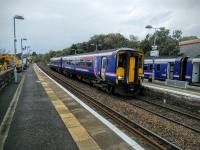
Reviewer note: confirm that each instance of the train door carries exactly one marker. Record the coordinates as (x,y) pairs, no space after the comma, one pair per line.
(170,70)
(61,64)
(103,68)
(131,76)
(183,68)
(121,66)
(196,72)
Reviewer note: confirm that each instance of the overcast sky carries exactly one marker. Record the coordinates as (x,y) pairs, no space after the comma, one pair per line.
(56,24)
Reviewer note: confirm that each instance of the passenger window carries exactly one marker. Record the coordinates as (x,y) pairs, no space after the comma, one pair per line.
(73,62)
(104,63)
(89,64)
(158,67)
(77,62)
(82,64)
(151,67)
(108,62)
(145,67)
(171,67)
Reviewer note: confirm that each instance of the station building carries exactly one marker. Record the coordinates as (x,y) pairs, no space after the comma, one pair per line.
(190,48)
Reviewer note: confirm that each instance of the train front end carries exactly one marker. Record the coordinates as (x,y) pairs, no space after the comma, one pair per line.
(129,71)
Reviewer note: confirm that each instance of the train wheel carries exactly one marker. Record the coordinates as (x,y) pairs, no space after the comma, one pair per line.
(109,89)
(79,77)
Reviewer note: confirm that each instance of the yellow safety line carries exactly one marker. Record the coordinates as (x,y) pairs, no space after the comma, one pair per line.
(78,132)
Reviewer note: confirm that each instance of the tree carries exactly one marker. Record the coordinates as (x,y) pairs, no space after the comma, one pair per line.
(104,42)
(133,37)
(167,44)
(34,54)
(112,40)
(145,44)
(177,34)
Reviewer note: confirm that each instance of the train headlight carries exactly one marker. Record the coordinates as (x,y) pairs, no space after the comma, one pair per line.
(120,78)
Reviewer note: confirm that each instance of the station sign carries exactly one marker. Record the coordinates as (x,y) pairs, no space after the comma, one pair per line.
(154,47)
(154,53)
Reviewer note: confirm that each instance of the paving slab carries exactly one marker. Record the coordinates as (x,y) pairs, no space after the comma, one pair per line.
(36,124)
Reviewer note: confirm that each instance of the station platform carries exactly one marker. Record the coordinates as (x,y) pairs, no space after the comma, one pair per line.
(44,115)
(190,93)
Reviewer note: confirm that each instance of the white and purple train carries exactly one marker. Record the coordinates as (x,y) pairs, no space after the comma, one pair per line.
(181,68)
(119,70)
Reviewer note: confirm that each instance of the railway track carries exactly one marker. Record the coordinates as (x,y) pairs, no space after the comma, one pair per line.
(172,109)
(131,126)
(165,116)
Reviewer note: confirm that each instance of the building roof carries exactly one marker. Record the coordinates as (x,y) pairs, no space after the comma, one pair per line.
(188,42)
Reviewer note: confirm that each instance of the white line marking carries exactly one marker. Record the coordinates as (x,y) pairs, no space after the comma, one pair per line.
(174,91)
(176,76)
(148,73)
(120,133)
(5,125)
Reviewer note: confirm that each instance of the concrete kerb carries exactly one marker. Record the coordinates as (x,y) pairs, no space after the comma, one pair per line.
(5,125)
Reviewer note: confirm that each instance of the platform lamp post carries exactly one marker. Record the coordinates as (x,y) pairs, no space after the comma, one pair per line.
(22,49)
(74,51)
(15,47)
(154,47)
(27,53)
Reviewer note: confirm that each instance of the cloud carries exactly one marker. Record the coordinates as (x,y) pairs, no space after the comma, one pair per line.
(56,24)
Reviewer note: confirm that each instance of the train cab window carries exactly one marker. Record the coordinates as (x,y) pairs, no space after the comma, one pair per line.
(158,67)
(122,61)
(151,66)
(140,62)
(145,67)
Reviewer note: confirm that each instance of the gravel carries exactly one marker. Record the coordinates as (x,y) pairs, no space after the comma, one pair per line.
(177,134)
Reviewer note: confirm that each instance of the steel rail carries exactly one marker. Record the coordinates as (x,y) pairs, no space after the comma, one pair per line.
(162,116)
(172,109)
(128,124)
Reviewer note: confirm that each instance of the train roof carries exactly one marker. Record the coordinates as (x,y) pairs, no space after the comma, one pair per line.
(98,53)
(101,53)
(160,57)
(159,60)
(55,58)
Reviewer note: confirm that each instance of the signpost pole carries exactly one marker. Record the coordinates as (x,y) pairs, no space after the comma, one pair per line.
(154,53)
